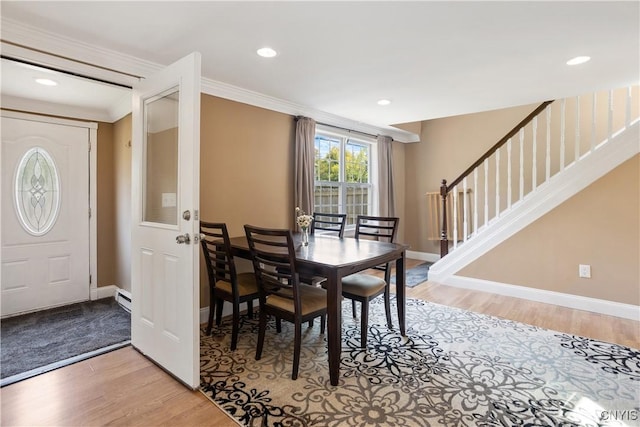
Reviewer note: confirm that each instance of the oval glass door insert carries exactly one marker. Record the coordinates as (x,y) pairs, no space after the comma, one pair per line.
(37,191)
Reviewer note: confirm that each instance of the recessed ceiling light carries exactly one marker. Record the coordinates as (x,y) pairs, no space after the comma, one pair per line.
(47,82)
(384,102)
(578,60)
(266,52)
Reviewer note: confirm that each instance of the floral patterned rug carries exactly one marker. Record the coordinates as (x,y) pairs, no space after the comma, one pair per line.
(454,368)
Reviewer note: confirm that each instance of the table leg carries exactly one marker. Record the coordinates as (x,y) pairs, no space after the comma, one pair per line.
(334,325)
(400,292)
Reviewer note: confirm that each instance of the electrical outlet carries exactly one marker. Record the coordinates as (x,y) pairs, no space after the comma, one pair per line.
(584,271)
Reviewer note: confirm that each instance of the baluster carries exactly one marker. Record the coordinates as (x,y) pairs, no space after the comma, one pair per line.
(610,124)
(562,131)
(534,165)
(497,182)
(444,241)
(509,173)
(577,147)
(594,114)
(521,164)
(548,155)
(465,227)
(486,191)
(475,200)
(455,217)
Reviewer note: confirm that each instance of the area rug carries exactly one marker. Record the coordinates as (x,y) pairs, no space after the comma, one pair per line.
(415,275)
(37,342)
(454,368)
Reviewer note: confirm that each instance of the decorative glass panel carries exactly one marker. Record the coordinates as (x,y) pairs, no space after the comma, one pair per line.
(37,191)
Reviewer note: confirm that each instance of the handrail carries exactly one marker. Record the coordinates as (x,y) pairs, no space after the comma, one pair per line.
(564,131)
(498,144)
(446,189)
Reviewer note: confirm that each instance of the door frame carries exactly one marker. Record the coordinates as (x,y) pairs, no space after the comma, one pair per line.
(92,127)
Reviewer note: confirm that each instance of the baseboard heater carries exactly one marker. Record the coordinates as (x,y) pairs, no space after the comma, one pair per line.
(124,299)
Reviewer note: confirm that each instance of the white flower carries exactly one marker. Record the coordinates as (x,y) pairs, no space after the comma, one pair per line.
(304,221)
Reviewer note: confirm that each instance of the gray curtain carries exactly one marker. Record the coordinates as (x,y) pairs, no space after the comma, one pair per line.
(387,205)
(304,161)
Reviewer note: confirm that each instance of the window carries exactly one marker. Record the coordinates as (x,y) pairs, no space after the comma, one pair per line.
(343,178)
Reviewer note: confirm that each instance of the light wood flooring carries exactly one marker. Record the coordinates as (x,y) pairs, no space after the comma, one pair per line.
(123,388)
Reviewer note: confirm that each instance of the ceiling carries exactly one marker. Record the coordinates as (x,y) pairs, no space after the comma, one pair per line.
(431,59)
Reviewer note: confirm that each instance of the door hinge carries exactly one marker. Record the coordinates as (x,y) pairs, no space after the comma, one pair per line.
(89,146)
(90,278)
(89,212)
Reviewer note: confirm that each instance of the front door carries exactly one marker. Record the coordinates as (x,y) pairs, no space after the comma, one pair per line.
(165,227)
(45,212)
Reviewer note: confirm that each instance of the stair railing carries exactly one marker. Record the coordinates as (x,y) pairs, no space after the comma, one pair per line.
(564,124)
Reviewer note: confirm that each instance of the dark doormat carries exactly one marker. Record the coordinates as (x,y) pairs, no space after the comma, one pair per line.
(34,343)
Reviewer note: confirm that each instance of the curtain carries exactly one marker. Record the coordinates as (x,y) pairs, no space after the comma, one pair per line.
(304,162)
(387,202)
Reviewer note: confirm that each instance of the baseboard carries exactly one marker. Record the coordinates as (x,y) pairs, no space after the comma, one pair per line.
(204,315)
(104,292)
(423,256)
(610,308)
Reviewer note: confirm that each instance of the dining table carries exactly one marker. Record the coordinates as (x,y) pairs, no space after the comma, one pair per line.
(334,258)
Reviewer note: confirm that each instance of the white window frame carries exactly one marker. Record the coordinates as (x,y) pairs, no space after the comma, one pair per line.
(344,137)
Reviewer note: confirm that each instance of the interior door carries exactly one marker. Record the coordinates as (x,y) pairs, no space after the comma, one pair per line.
(45,212)
(165,227)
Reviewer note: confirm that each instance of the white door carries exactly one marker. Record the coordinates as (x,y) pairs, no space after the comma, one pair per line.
(165,202)
(45,213)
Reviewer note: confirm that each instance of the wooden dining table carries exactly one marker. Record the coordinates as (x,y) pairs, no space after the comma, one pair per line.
(334,258)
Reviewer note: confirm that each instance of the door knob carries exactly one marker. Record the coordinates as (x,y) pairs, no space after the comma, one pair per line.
(183,238)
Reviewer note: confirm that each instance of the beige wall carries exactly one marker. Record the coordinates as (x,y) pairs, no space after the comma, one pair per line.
(121,176)
(447,147)
(599,226)
(105,215)
(246,169)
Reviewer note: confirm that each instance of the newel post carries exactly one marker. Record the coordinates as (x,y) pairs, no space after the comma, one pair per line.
(444,243)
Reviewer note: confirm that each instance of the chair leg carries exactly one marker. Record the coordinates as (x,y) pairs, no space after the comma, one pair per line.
(250,309)
(235,325)
(278,325)
(212,309)
(353,307)
(387,307)
(364,323)
(261,331)
(297,343)
(311,323)
(323,322)
(219,306)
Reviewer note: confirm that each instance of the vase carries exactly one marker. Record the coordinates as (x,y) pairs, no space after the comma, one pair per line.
(305,237)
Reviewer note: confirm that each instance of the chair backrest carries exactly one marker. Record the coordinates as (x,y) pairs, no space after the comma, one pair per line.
(330,222)
(274,263)
(380,228)
(217,253)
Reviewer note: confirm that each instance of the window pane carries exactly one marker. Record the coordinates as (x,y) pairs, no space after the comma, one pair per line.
(356,162)
(357,202)
(160,185)
(327,198)
(327,162)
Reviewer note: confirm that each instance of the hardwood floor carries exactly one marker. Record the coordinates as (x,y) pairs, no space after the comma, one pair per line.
(123,388)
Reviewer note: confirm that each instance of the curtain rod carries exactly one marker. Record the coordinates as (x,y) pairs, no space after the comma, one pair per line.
(341,128)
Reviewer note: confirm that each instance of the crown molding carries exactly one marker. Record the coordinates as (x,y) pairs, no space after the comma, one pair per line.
(19,40)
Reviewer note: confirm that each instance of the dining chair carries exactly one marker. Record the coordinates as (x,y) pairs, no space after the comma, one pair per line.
(364,287)
(329,223)
(281,293)
(225,284)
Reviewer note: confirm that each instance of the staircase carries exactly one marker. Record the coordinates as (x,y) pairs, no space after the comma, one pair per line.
(556,152)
